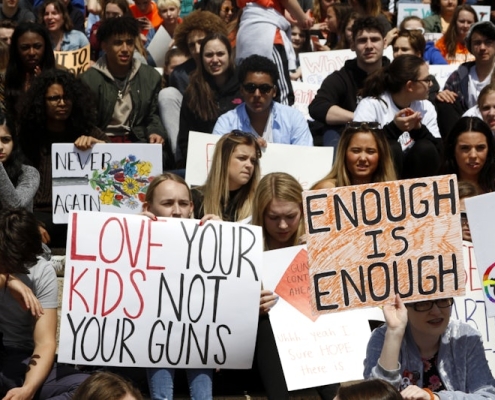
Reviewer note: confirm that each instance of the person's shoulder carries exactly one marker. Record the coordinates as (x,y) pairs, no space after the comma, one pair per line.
(457,328)
(42,270)
(325,184)
(28,170)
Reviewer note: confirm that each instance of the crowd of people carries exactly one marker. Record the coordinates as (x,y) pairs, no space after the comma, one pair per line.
(228,71)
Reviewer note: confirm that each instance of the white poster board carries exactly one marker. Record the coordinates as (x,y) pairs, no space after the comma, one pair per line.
(304,94)
(307,164)
(424,10)
(471,308)
(108,177)
(165,293)
(314,350)
(159,46)
(481,218)
(442,72)
(317,65)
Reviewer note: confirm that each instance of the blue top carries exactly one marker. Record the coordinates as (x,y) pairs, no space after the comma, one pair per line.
(462,365)
(289,125)
(73,40)
(432,55)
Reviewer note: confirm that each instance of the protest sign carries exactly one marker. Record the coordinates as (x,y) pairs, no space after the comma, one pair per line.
(108,177)
(76,61)
(481,222)
(159,46)
(368,242)
(304,94)
(307,164)
(317,65)
(471,307)
(424,10)
(442,73)
(165,293)
(314,349)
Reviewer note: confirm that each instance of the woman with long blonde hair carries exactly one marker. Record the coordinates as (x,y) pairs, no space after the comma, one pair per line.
(229,188)
(363,156)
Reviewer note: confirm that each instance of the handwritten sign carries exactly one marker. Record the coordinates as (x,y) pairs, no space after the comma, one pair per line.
(307,164)
(481,218)
(304,94)
(471,308)
(316,66)
(368,242)
(76,61)
(108,177)
(424,10)
(314,349)
(165,293)
(442,73)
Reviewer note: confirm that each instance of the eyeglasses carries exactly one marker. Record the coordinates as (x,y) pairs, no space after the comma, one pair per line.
(428,80)
(57,99)
(422,306)
(227,9)
(367,126)
(264,88)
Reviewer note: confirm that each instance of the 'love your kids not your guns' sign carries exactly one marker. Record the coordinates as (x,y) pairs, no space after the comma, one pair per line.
(165,293)
(108,177)
(368,242)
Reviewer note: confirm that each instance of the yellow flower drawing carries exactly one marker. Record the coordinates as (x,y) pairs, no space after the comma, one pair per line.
(144,168)
(130,186)
(106,197)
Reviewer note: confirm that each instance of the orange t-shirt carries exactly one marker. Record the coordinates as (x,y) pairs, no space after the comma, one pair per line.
(462,54)
(154,16)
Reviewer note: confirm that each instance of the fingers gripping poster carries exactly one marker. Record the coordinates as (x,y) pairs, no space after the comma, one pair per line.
(164,293)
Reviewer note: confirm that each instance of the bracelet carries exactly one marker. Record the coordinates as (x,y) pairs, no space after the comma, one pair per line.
(432,395)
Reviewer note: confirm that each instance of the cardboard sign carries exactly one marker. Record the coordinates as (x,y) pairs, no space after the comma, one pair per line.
(481,218)
(317,65)
(159,46)
(314,349)
(442,72)
(76,61)
(307,164)
(424,10)
(472,309)
(108,177)
(165,293)
(368,242)
(304,94)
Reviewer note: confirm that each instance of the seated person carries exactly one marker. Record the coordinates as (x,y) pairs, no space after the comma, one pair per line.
(126,91)
(426,355)
(336,100)
(260,114)
(27,368)
(464,85)
(14,12)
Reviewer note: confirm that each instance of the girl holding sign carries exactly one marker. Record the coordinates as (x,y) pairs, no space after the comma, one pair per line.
(169,196)
(363,156)
(428,356)
(277,208)
(396,96)
(232,180)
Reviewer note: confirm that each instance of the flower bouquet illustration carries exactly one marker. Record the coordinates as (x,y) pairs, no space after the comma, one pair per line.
(123,182)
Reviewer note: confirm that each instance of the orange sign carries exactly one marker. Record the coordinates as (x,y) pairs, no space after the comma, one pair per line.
(368,242)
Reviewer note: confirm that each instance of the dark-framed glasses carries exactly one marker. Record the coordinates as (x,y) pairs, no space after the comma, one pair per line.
(428,80)
(422,306)
(264,88)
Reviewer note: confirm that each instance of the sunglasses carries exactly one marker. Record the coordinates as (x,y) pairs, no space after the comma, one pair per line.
(264,88)
(357,125)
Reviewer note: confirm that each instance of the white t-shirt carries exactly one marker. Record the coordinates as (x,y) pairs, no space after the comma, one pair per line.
(383,110)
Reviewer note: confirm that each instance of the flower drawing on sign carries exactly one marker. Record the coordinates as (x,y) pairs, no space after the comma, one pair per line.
(123,182)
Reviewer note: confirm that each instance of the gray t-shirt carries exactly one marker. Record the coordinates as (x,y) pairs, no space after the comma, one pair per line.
(16,323)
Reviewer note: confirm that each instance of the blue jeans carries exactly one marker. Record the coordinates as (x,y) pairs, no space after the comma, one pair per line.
(161,383)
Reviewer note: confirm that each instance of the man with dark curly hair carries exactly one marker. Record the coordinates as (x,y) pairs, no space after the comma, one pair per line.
(126,91)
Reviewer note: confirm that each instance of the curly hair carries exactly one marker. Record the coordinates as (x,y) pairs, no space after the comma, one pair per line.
(204,21)
(33,132)
(20,240)
(62,9)
(126,25)
(367,24)
(256,63)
